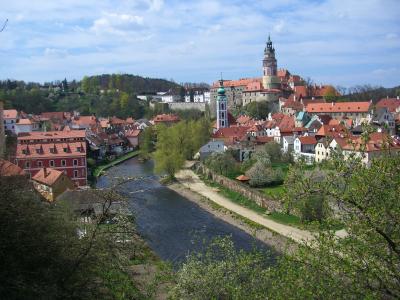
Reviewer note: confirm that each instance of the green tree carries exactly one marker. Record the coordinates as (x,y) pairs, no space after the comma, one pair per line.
(147,143)
(221,272)
(257,110)
(168,158)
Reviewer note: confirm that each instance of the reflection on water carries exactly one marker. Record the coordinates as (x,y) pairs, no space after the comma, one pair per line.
(168,222)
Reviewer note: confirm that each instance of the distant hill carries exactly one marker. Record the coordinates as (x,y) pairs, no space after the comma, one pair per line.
(128,83)
(367,92)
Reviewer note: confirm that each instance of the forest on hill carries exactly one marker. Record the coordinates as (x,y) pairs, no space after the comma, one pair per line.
(103,95)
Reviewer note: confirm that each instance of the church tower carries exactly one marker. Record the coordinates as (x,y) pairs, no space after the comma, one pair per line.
(270,78)
(222,110)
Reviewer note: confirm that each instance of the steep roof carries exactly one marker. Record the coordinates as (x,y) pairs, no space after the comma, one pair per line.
(10,114)
(9,169)
(338,107)
(47,176)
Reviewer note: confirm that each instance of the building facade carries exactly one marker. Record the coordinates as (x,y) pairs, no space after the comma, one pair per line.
(60,150)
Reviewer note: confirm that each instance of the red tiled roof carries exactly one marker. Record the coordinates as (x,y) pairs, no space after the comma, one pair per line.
(166,118)
(9,169)
(243,119)
(47,150)
(38,135)
(254,86)
(378,141)
(236,83)
(54,115)
(308,140)
(47,176)
(390,103)
(231,132)
(130,120)
(133,133)
(85,120)
(338,107)
(242,178)
(330,130)
(10,114)
(301,91)
(24,122)
(286,124)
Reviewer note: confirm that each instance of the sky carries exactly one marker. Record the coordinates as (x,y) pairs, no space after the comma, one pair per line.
(339,42)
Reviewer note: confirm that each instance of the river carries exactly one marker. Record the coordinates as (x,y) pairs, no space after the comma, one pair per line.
(171,224)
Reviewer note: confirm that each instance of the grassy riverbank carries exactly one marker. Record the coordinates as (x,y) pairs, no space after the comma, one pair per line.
(102,167)
(245,202)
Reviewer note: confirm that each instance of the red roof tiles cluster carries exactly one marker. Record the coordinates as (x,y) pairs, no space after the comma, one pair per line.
(168,118)
(392,104)
(340,107)
(9,169)
(47,176)
(10,114)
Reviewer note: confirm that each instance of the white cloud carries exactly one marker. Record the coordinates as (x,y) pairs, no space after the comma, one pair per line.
(117,23)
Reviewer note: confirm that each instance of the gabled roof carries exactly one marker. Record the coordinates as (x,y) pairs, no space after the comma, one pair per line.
(133,133)
(9,169)
(231,132)
(47,176)
(331,130)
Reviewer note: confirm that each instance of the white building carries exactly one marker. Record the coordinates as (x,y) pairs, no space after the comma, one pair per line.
(10,117)
(23,126)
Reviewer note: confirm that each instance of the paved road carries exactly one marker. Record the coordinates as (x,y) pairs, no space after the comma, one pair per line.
(190,180)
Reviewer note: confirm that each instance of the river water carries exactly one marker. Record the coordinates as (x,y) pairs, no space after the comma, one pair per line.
(171,224)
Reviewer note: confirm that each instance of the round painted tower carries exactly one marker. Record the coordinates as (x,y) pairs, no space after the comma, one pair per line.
(270,78)
(222,110)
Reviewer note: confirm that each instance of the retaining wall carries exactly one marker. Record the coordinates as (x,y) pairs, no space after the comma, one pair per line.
(236,186)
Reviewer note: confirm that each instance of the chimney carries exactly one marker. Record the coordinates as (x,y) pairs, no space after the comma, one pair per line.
(45,172)
(398,98)
(332,103)
(294,97)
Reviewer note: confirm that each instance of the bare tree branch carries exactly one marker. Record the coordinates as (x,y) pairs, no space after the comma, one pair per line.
(4,25)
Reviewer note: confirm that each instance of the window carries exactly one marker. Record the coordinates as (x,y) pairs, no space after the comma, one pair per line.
(51,163)
(75,173)
(63,163)
(75,162)
(65,149)
(27,164)
(39,164)
(83,172)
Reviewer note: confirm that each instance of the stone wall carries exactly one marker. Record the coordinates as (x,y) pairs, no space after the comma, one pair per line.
(187,105)
(236,186)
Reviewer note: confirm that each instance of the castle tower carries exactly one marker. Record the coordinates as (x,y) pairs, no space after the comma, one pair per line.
(270,78)
(222,110)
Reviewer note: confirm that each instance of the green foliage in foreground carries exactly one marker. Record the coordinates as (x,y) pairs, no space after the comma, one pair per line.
(362,265)
(221,272)
(41,256)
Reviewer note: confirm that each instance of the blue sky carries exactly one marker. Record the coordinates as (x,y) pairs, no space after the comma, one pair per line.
(341,42)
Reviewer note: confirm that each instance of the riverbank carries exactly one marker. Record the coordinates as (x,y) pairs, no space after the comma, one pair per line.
(101,168)
(278,242)
(192,181)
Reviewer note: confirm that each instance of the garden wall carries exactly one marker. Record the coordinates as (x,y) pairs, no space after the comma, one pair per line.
(236,186)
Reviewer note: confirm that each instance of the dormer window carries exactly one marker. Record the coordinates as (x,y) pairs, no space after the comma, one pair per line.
(65,150)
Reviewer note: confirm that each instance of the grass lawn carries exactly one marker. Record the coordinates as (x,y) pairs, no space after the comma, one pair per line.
(102,167)
(275,192)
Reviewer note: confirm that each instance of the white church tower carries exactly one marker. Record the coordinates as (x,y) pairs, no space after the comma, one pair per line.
(222,110)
